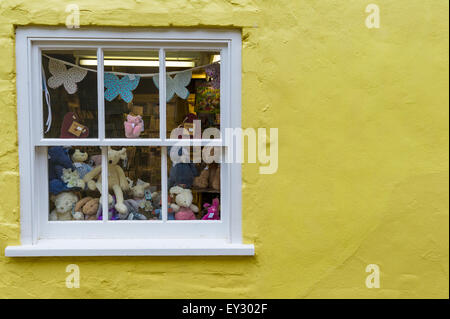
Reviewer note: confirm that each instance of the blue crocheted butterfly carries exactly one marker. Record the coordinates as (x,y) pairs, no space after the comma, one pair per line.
(176,84)
(124,86)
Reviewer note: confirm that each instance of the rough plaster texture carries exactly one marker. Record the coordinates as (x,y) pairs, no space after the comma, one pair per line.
(363,138)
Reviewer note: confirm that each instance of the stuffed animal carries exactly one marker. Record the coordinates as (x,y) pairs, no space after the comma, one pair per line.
(64,203)
(133,209)
(214,177)
(112,213)
(87,206)
(72,179)
(213,210)
(71,127)
(134,125)
(183,207)
(143,196)
(79,158)
(58,160)
(117,182)
(183,171)
(138,191)
(202,180)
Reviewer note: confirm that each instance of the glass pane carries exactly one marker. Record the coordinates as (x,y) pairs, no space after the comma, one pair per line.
(131,101)
(135,182)
(193,184)
(71,197)
(193,95)
(69,95)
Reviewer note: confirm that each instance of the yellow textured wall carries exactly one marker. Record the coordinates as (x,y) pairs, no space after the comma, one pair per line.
(363,161)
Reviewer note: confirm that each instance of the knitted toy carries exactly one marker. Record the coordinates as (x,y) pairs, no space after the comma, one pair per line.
(58,160)
(87,206)
(117,182)
(72,179)
(71,127)
(133,209)
(134,125)
(202,180)
(183,172)
(79,158)
(64,202)
(112,213)
(213,210)
(214,177)
(183,207)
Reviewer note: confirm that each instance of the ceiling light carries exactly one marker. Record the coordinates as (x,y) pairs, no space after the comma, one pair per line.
(169,64)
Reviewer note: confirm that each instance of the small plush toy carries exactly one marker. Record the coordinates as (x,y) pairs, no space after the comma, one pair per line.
(71,127)
(79,158)
(64,203)
(72,179)
(87,206)
(134,125)
(201,181)
(213,210)
(183,171)
(183,207)
(214,177)
(117,181)
(58,160)
(112,213)
(138,190)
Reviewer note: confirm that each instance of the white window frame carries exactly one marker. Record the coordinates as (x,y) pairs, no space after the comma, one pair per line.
(40,237)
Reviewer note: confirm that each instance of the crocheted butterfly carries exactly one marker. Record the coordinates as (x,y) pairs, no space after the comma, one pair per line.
(176,85)
(124,86)
(60,75)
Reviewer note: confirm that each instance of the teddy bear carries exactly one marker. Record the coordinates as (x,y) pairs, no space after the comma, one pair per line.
(58,160)
(79,158)
(183,171)
(183,207)
(142,195)
(134,125)
(214,176)
(72,179)
(87,206)
(117,181)
(64,204)
(202,180)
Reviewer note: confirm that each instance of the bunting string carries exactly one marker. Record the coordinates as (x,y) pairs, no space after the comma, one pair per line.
(142,75)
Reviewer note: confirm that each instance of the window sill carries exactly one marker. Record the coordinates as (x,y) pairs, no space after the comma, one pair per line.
(130,247)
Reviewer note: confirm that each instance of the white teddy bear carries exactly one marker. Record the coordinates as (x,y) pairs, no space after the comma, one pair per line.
(183,207)
(64,202)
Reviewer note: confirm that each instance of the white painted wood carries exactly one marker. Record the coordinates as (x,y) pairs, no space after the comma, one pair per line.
(24,137)
(129,142)
(130,247)
(35,227)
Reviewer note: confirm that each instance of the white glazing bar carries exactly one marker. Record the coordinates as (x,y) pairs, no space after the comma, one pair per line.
(100,95)
(162,94)
(164,183)
(105,183)
(162,130)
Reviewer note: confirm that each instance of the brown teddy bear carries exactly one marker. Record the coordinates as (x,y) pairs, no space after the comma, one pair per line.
(202,180)
(88,206)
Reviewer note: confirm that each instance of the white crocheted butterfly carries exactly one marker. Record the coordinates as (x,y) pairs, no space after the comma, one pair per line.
(62,76)
(176,85)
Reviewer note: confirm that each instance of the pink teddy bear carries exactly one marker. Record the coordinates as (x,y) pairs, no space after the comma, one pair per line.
(213,210)
(133,126)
